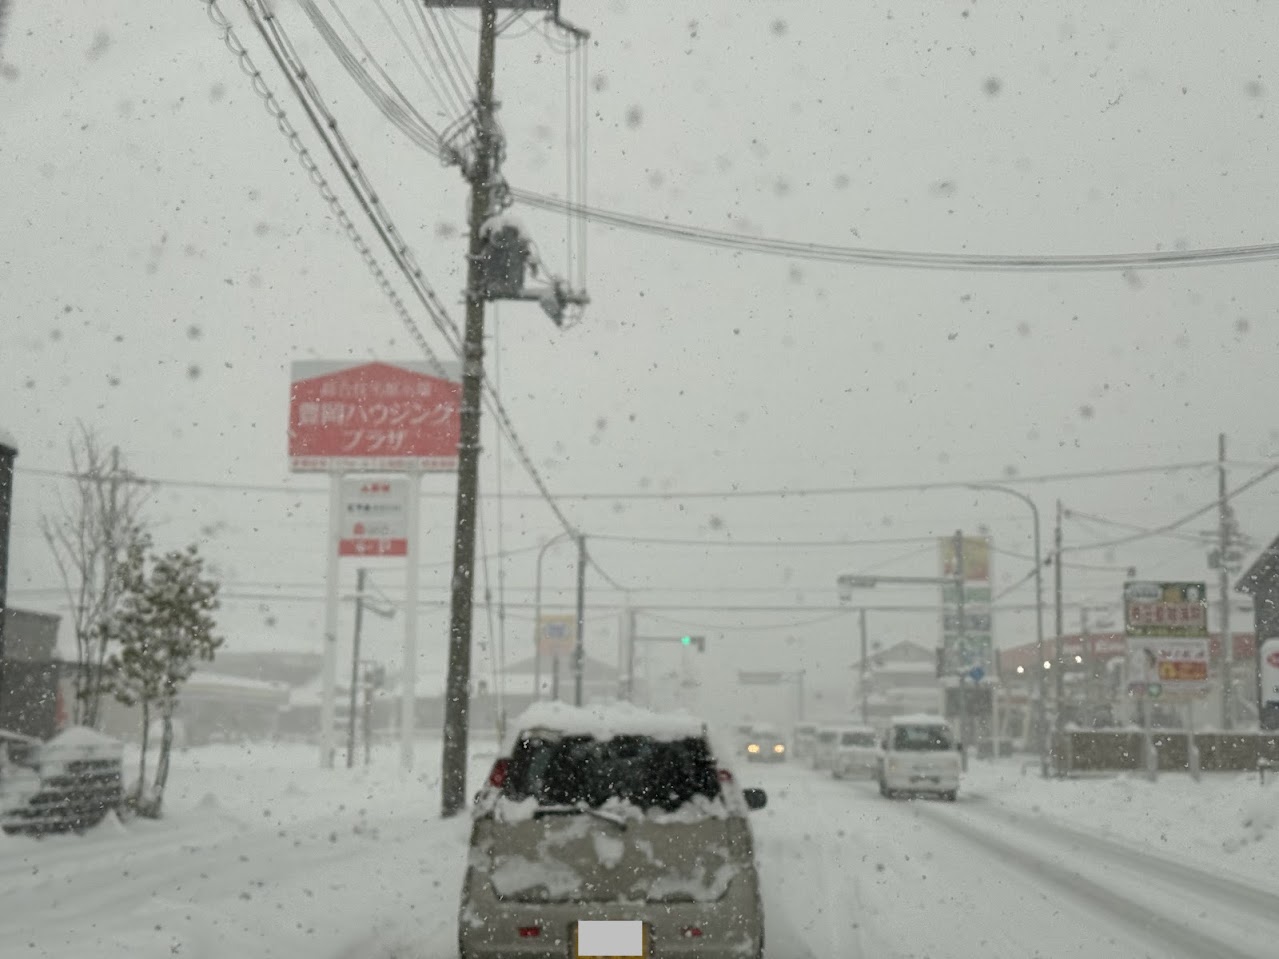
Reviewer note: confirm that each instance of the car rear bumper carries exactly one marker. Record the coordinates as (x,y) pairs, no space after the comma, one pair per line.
(731,928)
(940,782)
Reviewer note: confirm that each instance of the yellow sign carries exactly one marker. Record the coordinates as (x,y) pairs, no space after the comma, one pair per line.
(976,558)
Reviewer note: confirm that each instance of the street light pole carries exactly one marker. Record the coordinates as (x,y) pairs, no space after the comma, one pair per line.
(1041,684)
(537,616)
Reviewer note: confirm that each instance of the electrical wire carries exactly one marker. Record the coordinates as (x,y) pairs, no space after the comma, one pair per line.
(455,67)
(740,627)
(675,495)
(1177,524)
(397,107)
(907,259)
(761,543)
(304,88)
(245,62)
(1131,527)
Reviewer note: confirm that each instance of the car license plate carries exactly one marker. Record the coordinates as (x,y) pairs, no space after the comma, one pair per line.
(590,938)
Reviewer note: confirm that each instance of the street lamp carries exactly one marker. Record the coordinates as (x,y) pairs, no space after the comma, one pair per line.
(537,617)
(1041,719)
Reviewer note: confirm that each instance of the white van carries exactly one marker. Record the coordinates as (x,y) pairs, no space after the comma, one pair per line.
(919,755)
(857,754)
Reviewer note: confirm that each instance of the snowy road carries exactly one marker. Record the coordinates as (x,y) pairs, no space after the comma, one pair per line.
(265,855)
(850,873)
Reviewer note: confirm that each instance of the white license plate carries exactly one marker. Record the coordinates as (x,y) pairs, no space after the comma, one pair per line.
(645,944)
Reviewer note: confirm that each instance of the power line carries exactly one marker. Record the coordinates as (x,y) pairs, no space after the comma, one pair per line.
(906,259)
(1132,527)
(1176,524)
(675,495)
(744,628)
(339,149)
(760,543)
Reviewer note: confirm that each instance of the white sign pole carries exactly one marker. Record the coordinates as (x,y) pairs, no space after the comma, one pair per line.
(408,672)
(328,694)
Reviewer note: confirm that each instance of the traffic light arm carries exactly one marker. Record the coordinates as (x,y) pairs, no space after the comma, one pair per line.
(699,642)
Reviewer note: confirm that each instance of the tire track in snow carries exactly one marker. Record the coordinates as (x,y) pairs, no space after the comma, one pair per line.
(1179,937)
(1232,892)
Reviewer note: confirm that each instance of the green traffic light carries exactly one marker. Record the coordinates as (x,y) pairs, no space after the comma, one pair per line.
(686,640)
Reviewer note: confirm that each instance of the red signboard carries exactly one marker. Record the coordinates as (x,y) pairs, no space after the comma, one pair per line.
(372,417)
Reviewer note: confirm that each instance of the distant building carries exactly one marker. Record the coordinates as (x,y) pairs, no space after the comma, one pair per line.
(900,679)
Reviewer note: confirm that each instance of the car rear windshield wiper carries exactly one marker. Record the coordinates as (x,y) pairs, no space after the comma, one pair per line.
(580,808)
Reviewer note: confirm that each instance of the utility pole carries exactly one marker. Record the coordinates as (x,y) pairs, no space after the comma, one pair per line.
(8,453)
(579,648)
(962,643)
(483,178)
(865,678)
(360,576)
(1224,547)
(1058,655)
(629,615)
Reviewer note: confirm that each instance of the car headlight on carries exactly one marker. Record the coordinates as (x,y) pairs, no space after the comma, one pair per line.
(779,748)
(753,748)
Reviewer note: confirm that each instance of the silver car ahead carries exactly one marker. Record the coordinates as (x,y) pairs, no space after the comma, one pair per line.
(628,822)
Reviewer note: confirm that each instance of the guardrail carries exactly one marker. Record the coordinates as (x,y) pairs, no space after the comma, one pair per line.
(1123,750)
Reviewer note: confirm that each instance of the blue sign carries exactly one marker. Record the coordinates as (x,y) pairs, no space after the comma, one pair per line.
(976,674)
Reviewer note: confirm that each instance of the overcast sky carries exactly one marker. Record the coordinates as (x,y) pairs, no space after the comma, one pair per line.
(166,258)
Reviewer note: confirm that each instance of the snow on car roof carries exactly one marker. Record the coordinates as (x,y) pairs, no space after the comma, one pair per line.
(920,719)
(605,721)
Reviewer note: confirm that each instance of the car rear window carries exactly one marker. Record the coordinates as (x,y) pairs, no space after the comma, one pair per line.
(827,737)
(858,739)
(645,772)
(921,738)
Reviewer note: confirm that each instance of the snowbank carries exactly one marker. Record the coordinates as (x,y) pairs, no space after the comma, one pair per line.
(7,439)
(1228,822)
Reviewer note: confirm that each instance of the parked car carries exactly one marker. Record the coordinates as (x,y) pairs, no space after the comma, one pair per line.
(919,755)
(803,740)
(765,745)
(611,813)
(824,748)
(857,754)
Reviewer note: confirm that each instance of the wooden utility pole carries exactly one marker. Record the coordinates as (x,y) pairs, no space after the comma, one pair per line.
(361,576)
(1059,658)
(579,648)
(483,178)
(1226,654)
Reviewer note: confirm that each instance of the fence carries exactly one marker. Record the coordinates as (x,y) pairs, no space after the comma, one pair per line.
(1120,750)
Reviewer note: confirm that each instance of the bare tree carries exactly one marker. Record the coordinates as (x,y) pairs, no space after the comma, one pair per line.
(90,534)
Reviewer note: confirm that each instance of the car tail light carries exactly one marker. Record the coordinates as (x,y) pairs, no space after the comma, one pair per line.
(530,932)
(725,776)
(497,778)
(691,932)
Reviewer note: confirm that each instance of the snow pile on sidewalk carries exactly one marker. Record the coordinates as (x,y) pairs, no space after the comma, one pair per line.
(260,853)
(1226,820)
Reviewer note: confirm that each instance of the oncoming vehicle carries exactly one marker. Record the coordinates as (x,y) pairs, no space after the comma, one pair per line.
(803,740)
(919,755)
(824,747)
(765,745)
(857,753)
(610,813)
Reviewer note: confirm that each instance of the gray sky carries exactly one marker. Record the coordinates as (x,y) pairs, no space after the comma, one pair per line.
(166,258)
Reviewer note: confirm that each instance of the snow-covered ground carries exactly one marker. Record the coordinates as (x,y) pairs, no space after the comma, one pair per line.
(264,854)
